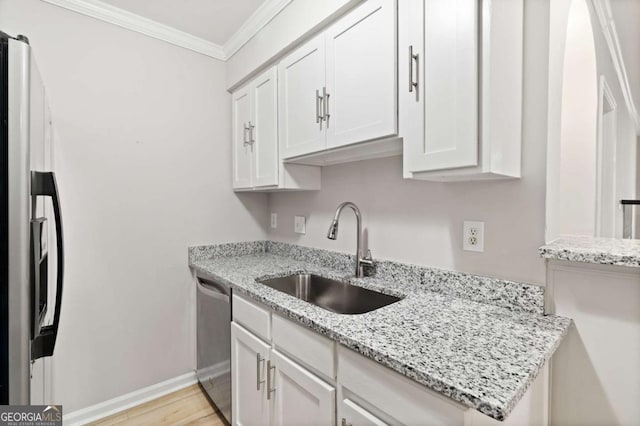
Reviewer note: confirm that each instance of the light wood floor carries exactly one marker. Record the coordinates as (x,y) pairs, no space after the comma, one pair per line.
(188,406)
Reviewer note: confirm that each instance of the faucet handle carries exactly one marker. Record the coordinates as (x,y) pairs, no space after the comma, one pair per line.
(367,260)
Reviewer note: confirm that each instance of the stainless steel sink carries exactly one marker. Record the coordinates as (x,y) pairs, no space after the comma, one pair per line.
(329,294)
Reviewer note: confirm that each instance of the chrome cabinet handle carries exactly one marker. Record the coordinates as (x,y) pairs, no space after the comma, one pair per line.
(259,361)
(412,57)
(325,108)
(344,422)
(252,139)
(318,103)
(270,390)
(244,134)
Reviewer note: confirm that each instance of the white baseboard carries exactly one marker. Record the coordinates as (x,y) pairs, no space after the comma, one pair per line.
(120,403)
(214,371)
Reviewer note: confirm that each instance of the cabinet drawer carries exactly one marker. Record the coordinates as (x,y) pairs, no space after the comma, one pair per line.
(398,397)
(252,316)
(355,415)
(306,346)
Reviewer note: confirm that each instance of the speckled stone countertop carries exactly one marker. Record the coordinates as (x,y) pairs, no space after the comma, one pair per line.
(482,355)
(604,251)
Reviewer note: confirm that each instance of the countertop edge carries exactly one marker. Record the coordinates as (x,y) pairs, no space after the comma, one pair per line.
(593,250)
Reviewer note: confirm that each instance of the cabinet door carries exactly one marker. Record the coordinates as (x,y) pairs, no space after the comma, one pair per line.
(300,398)
(242,150)
(351,414)
(249,356)
(394,397)
(300,76)
(265,128)
(361,74)
(445,36)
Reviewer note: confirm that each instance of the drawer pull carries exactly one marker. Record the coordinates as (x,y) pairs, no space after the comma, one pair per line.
(244,134)
(325,108)
(252,138)
(319,116)
(269,388)
(412,57)
(259,362)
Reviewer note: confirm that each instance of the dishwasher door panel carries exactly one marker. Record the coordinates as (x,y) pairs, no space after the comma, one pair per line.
(214,343)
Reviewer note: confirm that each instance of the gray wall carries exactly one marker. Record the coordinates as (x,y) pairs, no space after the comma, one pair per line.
(144,169)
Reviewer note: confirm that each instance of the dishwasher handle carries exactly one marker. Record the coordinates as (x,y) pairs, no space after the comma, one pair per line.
(213,289)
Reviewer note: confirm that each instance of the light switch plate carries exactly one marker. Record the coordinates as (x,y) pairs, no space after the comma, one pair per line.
(473,236)
(300,225)
(274,220)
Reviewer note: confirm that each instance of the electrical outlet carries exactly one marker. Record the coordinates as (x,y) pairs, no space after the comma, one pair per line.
(473,236)
(274,220)
(299,225)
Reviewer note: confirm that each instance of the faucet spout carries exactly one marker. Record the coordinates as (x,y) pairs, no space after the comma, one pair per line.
(332,234)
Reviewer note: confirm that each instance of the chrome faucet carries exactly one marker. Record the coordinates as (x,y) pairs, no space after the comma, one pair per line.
(332,234)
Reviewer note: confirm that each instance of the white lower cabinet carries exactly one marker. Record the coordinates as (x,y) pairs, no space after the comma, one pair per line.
(357,415)
(299,377)
(368,389)
(249,356)
(268,386)
(299,397)
(372,394)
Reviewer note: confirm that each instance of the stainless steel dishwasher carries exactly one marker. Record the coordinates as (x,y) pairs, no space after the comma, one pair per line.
(214,341)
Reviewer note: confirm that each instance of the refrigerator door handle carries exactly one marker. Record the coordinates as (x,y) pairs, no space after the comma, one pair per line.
(44,184)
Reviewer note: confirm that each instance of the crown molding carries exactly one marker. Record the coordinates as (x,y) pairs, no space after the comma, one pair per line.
(608,26)
(131,21)
(258,19)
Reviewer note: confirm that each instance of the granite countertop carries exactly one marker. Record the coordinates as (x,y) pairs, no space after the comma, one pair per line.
(478,354)
(604,251)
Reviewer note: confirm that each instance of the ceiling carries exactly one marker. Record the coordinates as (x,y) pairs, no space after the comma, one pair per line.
(626,15)
(212,20)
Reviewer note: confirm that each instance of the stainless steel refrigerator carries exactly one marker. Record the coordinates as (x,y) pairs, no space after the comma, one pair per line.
(31,250)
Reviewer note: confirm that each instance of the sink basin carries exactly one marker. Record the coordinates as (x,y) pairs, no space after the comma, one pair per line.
(329,294)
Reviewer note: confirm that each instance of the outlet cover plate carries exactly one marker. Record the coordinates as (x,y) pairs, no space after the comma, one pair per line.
(274,220)
(473,236)
(300,225)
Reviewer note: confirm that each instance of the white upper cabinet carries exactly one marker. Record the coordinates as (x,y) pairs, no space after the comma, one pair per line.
(265,129)
(361,75)
(460,79)
(302,80)
(340,88)
(445,72)
(255,132)
(242,153)
(256,159)
(438,81)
